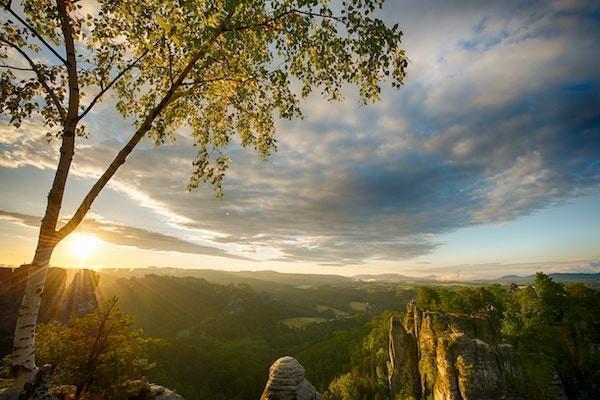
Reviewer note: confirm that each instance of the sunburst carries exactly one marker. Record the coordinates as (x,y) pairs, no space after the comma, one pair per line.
(82,246)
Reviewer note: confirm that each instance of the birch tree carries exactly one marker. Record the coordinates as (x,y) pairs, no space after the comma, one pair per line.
(223,68)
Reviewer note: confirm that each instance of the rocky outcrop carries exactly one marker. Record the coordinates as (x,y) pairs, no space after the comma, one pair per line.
(162,393)
(61,299)
(453,357)
(287,382)
(37,387)
(152,391)
(142,389)
(8,394)
(81,297)
(402,368)
(12,287)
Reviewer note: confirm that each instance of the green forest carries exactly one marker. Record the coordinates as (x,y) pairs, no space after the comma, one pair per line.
(216,341)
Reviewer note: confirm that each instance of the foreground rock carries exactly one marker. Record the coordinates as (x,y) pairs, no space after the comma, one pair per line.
(144,390)
(454,357)
(157,392)
(8,394)
(287,382)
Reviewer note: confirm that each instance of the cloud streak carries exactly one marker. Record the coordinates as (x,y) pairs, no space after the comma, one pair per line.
(123,235)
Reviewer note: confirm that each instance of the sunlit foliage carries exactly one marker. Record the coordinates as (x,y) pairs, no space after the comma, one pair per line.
(99,353)
(367,378)
(224,68)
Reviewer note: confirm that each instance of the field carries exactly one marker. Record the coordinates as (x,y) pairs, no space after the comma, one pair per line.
(301,322)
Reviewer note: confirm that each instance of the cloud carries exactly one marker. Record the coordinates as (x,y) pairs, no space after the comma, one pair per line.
(526,185)
(499,117)
(123,235)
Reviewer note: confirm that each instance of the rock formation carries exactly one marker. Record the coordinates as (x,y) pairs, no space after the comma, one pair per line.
(287,382)
(59,302)
(81,297)
(453,357)
(151,391)
(12,287)
(402,369)
(162,393)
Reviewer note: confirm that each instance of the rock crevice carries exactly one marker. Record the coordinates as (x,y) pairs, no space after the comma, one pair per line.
(436,356)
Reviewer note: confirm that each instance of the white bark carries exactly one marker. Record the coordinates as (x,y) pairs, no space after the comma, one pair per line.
(23,356)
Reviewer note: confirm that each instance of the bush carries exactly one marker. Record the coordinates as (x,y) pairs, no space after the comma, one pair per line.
(99,353)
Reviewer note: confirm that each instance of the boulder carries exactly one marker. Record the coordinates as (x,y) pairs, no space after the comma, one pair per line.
(287,382)
(162,393)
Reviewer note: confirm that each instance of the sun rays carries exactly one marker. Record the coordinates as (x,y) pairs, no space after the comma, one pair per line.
(83,246)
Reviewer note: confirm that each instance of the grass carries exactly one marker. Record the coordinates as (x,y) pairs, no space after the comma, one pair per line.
(358,306)
(337,312)
(301,322)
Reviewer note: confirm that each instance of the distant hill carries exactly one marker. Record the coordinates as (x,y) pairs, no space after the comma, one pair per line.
(395,278)
(267,279)
(257,279)
(564,277)
(271,280)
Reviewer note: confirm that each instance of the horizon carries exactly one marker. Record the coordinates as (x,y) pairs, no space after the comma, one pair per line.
(485,163)
(425,278)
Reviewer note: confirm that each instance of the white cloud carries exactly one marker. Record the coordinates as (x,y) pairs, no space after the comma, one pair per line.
(473,137)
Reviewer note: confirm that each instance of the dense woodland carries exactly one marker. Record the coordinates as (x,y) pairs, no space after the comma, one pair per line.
(552,326)
(216,341)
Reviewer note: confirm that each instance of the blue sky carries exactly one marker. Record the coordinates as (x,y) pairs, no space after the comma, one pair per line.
(486,162)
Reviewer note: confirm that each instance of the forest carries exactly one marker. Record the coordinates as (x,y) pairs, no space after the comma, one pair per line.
(217,341)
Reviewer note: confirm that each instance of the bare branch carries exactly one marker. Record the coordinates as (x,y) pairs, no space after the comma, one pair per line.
(16,68)
(170,64)
(41,78)
(35,33)
(104,89)
(266,22)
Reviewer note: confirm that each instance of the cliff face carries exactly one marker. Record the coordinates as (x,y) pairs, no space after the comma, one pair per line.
(403,373)
(450,357)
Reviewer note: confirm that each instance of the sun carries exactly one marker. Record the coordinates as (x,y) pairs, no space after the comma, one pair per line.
(83,246)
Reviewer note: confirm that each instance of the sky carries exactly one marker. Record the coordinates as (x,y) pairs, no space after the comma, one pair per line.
(485,163)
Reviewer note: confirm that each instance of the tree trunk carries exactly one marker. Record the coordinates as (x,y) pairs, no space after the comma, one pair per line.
(24,342)
(23,356)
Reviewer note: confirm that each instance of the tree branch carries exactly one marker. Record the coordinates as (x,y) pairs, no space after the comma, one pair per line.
(135,139)
(312,14)
(41,78)
(268,21)
(16,68)
(35,33)
(110,84)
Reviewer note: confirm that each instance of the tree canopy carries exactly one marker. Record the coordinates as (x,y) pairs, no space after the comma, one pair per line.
(222,68)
